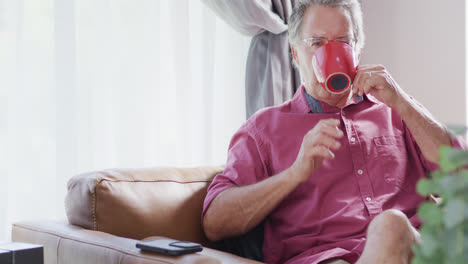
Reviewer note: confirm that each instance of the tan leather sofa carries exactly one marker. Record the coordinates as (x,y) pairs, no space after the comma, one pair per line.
(109,211)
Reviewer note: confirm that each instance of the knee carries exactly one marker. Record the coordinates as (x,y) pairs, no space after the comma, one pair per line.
(392,224)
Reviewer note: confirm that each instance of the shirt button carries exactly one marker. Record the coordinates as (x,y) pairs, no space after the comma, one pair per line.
(368,199)
(353,139)
(359,172)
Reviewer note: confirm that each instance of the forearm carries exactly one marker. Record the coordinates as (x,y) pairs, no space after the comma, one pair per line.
(428,133)
(237,210)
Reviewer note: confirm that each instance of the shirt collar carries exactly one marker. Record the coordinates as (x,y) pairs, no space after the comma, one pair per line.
(313,103)
(305,103)
(298,102)
(372,98)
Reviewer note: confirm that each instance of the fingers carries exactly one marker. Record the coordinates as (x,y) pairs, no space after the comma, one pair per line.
(327,128)
(316,146)
(323,137)
(365,82)
(326,141)
(322,152)
(367,77)
(332,131)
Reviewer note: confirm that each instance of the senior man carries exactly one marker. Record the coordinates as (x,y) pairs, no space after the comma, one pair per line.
(333,175)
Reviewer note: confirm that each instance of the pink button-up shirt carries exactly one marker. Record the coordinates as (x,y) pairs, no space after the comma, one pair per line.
(376,168)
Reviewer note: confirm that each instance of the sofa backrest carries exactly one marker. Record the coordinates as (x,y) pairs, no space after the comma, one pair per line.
(138,203)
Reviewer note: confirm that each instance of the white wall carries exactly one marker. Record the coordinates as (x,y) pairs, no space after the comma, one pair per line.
(422,44)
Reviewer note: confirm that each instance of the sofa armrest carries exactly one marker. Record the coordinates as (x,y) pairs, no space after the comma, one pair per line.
(138,203)
(68,244)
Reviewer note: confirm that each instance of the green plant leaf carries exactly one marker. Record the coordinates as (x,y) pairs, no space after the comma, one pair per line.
(425,187)
(449,246)
(452,158)
(454,214)
(457,156)
(437,175)
(445,163)
(465,245)
(418,260)
(459,259)
(430,213)
(430,245)
(452,184)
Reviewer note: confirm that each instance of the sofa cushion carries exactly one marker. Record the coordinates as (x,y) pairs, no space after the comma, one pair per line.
(138,203)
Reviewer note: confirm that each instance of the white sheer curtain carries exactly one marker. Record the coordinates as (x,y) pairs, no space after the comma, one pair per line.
(94,84)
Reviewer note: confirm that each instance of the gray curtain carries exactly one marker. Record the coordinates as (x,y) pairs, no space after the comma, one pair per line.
(270,77)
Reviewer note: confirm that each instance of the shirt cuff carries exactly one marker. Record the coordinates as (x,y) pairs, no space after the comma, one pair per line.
(214,190)
(456,142)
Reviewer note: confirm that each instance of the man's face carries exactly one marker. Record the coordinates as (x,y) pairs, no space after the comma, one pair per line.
(326,22)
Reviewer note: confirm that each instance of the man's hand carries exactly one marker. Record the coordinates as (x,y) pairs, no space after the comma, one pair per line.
(429,134)
(237,210)
(316,146)
(375,79)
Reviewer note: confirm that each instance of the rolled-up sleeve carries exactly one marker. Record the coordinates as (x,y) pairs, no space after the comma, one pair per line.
(245,165)
(456,141)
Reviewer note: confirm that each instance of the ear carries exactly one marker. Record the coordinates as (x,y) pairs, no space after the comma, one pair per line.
(294,53)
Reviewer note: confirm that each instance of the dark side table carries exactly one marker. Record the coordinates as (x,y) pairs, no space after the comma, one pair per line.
(21,253)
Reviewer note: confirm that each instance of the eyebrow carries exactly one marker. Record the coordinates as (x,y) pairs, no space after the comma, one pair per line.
(347,36)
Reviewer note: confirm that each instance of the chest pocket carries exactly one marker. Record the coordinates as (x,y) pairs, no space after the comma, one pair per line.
(392,158)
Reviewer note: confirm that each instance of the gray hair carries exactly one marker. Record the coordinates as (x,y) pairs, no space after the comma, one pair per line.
(352,7)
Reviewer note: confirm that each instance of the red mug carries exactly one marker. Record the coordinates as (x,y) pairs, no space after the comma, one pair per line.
(335,66)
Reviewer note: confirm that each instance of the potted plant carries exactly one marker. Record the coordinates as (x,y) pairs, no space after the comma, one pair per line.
(445,225)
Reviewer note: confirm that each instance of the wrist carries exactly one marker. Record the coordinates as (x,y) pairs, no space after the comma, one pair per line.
(403,106)
(296,173)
